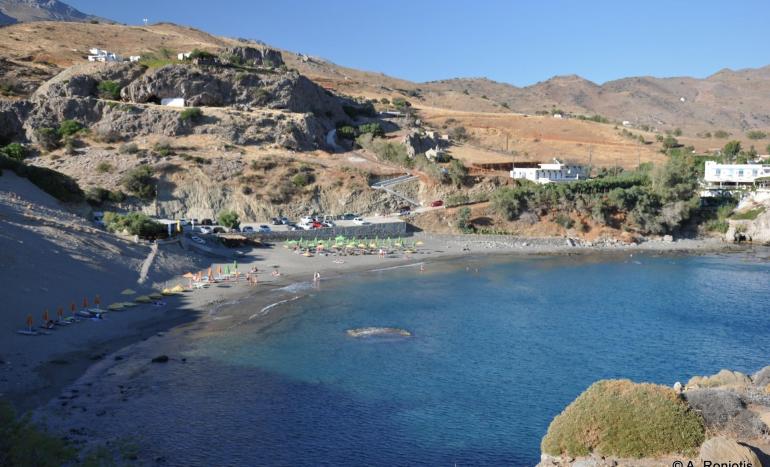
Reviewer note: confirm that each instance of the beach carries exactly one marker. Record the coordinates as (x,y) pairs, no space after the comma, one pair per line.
(37,368)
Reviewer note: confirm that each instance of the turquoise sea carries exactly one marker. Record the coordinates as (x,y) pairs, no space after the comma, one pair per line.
(499,347)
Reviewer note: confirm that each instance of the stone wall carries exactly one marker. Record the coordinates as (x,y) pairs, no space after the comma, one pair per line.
(382,230)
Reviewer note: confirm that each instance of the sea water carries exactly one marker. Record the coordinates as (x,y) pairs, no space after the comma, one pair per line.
(498,348)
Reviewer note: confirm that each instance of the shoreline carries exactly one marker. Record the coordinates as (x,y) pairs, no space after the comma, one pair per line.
(197,310)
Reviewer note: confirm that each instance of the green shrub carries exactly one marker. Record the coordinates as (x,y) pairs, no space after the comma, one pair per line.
(463,219)
(457,172)
(748,215)
(372,128)
(109,90)
(134,223)
(104,167)
(163,148)
(721,134)
(401,103)
(116,196)
(756,134)
(229,219)
(192,114)
(129,148)
(201,54)
(386,150)
(456,199)
(302,179)
(15,151)
(347,132)
(731,149)
(48,138)
(623,419)
(69,128)
(564,220)
(140,182)
(56,184)
(22,443)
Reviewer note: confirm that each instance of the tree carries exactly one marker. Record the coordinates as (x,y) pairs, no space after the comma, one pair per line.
(731,149)
(139,181)
(193,114)
(457,172)
(229,219)
(374,128)
(669,142)
(463,219)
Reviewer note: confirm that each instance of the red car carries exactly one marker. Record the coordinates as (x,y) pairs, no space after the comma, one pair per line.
(437,204)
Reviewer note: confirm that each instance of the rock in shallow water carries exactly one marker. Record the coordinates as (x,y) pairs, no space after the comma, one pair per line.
(375,331)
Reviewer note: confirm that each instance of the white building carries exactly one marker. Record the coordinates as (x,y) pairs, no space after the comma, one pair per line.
(173,102)
(734,175)
(99,55)
(555,172)
(134,58)
(183,56)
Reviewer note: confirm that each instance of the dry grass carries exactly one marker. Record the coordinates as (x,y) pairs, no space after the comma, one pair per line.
(623,419)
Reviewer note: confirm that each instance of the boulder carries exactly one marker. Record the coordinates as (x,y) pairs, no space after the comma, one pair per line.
(272,57)
(243,56)
(160,359)
(722,450)
(762,377)
(725,411)
(725,378)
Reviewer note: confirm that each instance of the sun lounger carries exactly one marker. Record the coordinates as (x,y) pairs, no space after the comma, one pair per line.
(27,332)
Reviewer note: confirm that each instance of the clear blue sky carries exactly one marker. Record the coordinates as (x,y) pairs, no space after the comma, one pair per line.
(519,42)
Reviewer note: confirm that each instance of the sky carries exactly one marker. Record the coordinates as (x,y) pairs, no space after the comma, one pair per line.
(515,41)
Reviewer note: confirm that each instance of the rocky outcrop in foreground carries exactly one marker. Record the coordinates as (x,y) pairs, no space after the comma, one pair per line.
(719,418)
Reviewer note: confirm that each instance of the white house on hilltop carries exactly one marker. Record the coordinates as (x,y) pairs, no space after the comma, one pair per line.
(99,55)
(555,172)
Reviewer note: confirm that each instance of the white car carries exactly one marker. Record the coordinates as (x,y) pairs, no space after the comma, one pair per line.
(206,229)
(197,239)
(360,221)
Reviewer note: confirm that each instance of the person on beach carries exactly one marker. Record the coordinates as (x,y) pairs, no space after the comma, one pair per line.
(316,276)
(422,267)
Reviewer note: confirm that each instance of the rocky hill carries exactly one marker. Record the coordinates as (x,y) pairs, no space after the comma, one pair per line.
(21,11)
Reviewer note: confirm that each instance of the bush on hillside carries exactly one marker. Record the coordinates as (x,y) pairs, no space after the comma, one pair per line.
(347,132)
(21,443)
(134,223)
(15,151)
(229,219)
(731,149)
(192,114)
(69,128)
(140,182)
(756,134)
(109,90)
(302,179)
(386,150)
(48,138)
(129,148)
(457,172)
(373,128)
(623,419)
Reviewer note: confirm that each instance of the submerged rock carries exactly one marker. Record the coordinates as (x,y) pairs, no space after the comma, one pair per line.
(375,331)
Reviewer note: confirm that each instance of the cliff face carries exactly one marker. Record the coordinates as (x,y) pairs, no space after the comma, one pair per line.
(756,230)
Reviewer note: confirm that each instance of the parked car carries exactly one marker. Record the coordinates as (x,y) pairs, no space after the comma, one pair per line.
(307,220)
(207,222)
(264,229)
(218,229)
(437,204)
(360,221)
(247,229)
(197,239)
(348,216)
(276,221)
(294,227)
(206,230)
(328,224)
(183,222)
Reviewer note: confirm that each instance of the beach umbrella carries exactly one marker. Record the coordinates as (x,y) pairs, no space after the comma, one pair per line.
(210,278)
(60,313)
(73,307)
(97,301)
(227,269)
(85,302)
(46,318)
(235,264)
(219,269)
(29,322)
